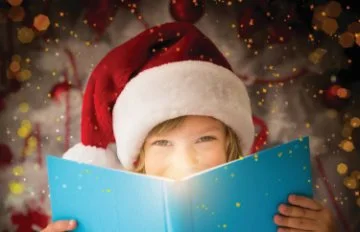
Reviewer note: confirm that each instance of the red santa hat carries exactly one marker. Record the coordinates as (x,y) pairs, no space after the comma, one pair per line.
(165,72)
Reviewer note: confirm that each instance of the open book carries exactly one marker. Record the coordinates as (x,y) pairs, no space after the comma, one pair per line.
(242,195)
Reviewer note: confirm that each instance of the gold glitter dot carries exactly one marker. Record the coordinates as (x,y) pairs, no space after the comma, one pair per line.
(342,168)
(16,188)
(24,107)
(307,125)
(59,138)
(355,122)
(224,226)
(350,183)
(238,204)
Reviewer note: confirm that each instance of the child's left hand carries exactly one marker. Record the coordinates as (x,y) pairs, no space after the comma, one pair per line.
(304,214)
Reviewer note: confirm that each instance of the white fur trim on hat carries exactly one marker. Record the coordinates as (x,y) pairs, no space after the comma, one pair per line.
(93,155)
(178,89)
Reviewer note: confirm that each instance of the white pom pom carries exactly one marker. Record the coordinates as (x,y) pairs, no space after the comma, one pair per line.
(93,155)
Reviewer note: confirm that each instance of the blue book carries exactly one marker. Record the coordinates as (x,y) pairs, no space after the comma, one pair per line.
(242,195)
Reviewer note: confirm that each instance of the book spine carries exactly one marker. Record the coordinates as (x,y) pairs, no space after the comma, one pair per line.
(177,205)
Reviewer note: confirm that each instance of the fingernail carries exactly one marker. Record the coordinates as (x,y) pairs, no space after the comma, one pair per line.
(72,223)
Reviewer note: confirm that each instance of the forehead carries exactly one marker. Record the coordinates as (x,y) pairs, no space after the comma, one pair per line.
(189,124)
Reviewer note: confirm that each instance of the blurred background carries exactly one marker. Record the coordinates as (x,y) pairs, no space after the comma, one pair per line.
(298,58)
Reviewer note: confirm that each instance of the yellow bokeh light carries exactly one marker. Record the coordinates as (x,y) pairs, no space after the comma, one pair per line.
(23,132)
(25,35)
(24,107)
(41,22)
(24,75)
(14,66)
(347,146)
(333,9)
(346,40)
(355,122)
(343,93)
(316,56)
(238,204)
(26,124)
(358,201)
(329,26)
(16,188)
(342,168)
(15,2)
(357,38)
(354,27)
(355,174)
(32,142)
(18,171)
(350,183)
(16,14)
(16,58)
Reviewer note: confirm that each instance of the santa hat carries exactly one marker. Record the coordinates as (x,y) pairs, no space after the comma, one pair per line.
(165,72)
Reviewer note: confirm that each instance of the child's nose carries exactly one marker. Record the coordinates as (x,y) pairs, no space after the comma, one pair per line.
(186,156)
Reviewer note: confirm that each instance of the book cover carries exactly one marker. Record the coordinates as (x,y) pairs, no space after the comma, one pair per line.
(242,195)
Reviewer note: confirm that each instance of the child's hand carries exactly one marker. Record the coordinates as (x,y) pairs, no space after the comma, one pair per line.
(304,214)
(60,226)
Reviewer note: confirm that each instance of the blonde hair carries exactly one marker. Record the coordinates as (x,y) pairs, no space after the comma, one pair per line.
(233,149)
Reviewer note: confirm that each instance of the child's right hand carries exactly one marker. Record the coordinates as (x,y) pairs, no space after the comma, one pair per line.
(60,226)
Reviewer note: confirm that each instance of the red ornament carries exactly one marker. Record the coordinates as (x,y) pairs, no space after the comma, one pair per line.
(27,222)
(59,89)
(279,33)
(336,97)
(99,13)
(6,155)
(187,10)
(262,134)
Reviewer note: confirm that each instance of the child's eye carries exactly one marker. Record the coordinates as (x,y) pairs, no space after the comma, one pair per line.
(205,139)
(162,143)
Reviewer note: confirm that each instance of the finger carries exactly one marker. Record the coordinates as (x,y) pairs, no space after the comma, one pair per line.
(283,229)
(296,223)
(305,202)
(60,226)
(298,212)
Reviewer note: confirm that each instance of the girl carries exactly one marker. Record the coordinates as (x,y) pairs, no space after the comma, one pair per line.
(171,104)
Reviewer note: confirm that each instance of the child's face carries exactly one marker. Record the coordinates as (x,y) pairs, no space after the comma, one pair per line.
(195,145)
